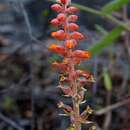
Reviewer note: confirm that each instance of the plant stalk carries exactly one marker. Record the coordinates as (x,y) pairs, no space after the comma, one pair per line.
(76,103)
(77,124)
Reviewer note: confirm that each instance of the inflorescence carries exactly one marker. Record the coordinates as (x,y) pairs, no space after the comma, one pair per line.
(73,80)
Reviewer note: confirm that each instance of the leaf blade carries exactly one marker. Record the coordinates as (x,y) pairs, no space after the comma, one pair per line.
(107,80)
(107,40)
(114,6)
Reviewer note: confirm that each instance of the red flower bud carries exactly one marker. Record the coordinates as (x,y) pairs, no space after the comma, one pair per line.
(72,10)
(56,7)
(61,17)
(57,49)
(81,54)
(72,18)
(70,44)
(77,36)
(55,22)
(59,35)
(65,2)
(72,27)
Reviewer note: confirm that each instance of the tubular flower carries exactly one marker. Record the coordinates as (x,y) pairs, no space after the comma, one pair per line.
(70,44)
(72,10)
(55,22)
(72,18)
(59,35)
(56,7)
(71,81)
(77,36)
(72,27)
(57,49)
(61,17)
(81,54)
(61,66)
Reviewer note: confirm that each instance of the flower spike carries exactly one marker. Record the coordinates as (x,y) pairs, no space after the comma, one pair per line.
(72,81)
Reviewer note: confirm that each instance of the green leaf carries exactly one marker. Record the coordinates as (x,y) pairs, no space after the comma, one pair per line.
(107,80)
(114,6)
(107,40)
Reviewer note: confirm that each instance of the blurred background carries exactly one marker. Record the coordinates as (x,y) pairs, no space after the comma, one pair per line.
(28,93)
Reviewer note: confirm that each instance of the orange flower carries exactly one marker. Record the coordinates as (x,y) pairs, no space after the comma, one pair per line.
(59,35)
(81,54)
(72,27)
(70,44)
(57,49)
(77,36)
(61,66)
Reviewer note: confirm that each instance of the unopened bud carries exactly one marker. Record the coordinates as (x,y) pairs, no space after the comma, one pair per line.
(72,18)
(55,22)
(77,36)
(56,7)
(72,27)
(72,10)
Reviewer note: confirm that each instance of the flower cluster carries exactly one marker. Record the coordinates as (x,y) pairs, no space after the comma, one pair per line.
(72,81)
